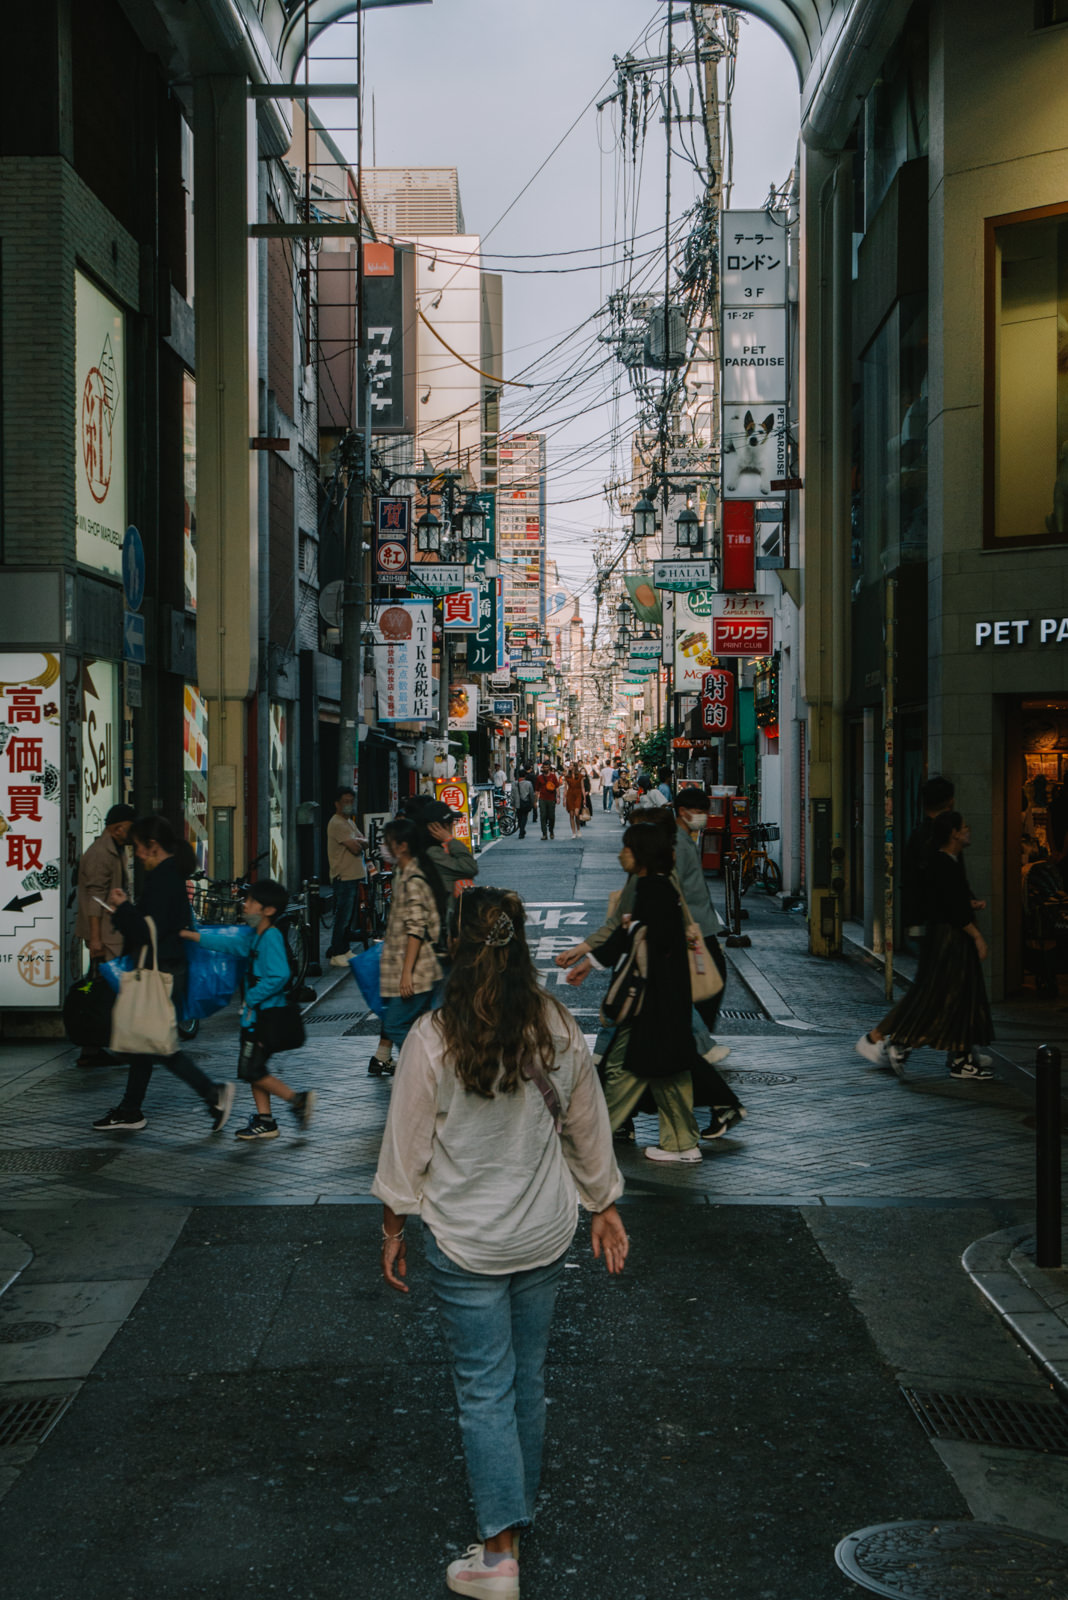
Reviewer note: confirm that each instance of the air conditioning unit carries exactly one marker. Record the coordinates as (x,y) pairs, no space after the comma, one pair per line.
(669,351)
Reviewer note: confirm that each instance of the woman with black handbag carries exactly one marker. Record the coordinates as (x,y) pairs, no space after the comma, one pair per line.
(270,1021)
(654,1047)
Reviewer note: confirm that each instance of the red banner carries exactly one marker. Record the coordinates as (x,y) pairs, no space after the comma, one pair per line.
(717,701)
(742,636)
(739,546)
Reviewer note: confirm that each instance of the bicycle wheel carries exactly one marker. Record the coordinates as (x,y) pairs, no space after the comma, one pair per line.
(295,934)
(772,879)
(747,874)
(508,820)
(189,1028)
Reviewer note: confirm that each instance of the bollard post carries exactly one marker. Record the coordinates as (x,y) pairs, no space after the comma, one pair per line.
(1048,1156)
(315,966)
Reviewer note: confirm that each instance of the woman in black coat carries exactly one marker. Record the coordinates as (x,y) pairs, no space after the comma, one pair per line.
(656,1051)
(165,900)
(946,1007)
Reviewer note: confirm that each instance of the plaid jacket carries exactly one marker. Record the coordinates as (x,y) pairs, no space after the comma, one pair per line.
(413,910)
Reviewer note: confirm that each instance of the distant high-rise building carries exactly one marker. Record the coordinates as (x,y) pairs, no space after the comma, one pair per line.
(413,200)
(521,529)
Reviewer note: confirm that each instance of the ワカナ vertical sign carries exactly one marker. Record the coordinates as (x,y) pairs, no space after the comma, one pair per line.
(31,830)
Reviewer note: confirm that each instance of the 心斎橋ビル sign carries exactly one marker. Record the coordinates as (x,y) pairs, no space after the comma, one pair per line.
(393,522)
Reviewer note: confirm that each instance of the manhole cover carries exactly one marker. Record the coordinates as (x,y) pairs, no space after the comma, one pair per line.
(26,1332)
(954,1561)
(990,1419)
(30,1421)
(55,1160)
(768,1079)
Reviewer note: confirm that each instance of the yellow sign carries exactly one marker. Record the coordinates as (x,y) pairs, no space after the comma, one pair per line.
(452,792)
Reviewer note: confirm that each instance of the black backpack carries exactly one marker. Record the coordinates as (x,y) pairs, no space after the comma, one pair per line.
(87,1011)
(626,989)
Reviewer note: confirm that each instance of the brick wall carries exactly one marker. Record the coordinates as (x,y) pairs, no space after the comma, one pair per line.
(49,221)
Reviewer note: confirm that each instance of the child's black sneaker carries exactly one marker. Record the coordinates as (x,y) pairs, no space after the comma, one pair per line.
(303,1107)
(258,1127)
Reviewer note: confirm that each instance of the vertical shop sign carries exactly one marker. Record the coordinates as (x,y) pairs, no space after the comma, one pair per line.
(101,781)
(739,546)
(463,706)
(693,639)
(453,793)
(460,612)
(403,679)
(195,771)
(276,792)
(389,287)
(393,522)
(100,427)
(717,701)
(31,829)
(482,649)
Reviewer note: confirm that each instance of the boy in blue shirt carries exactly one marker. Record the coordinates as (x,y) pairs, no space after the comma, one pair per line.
(266,989)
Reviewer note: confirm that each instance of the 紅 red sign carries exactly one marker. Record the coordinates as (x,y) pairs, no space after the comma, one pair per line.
(717,701)
(742,636)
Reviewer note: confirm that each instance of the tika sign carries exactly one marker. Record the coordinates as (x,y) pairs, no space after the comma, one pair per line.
(742,636)
(30,830)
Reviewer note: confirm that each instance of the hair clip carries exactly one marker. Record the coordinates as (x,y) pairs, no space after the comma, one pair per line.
(502,932)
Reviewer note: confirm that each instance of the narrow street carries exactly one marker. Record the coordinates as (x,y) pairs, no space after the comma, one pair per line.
(255,1413)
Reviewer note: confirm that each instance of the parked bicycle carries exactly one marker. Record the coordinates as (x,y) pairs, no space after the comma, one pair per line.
(506,816)
(756,866)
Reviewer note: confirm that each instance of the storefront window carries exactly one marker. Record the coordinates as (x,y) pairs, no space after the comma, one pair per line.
(1027,379)
(189,487)
(195,771)
(893,447)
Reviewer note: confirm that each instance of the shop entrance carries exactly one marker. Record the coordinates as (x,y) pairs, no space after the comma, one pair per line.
(1036,826)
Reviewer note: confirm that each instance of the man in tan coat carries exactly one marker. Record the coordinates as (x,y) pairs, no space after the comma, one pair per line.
(101,869)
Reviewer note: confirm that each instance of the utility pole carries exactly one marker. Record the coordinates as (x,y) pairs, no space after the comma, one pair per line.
(359,481)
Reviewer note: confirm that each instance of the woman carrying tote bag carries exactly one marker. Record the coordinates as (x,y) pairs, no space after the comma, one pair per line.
(151,930)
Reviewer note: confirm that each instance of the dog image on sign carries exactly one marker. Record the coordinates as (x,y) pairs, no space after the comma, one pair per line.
(749,454)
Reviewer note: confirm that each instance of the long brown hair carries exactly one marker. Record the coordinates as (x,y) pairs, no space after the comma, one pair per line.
(495,1015)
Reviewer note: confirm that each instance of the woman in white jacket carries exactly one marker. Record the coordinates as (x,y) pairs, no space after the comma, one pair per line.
(497,1128)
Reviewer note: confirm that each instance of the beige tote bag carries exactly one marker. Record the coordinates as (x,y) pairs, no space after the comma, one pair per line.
(705,978)
(143,1020)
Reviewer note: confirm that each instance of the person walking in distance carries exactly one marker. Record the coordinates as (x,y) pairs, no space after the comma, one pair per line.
(574,797)
(101,869)
(344,850)
(496,1128)
(546,788)
(266,993)
(946,1007)
(524,794)
(167,862)
(608,780)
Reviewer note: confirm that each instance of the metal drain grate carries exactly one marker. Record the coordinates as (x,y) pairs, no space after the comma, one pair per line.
(766,1079)
(334,1016)
(26,1332)
(25,1422)
(743,1016)
(33,1161)
(989,1419)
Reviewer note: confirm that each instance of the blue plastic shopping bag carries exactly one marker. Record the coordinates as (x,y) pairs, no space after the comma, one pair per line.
(109,970)
(366,968)
(213,980)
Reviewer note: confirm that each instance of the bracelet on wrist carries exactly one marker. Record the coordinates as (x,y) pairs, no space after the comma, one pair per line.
(393,1237)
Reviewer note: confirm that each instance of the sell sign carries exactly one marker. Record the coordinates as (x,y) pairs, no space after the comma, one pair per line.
(742,636)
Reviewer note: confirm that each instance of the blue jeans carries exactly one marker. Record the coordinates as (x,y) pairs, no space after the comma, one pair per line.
(400,1015)
(345,892)
(497,1331)
(607,796)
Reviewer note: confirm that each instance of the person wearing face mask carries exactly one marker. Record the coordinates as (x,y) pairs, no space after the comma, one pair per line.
(266,992)
(167,862)
(344,849)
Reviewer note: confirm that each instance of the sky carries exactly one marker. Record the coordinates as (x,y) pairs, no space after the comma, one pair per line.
(491,87)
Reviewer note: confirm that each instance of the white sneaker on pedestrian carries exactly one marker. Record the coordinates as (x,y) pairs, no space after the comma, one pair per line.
(718,1053)
(874,1051)
(897,1056)
(470,1575)
(653,1152)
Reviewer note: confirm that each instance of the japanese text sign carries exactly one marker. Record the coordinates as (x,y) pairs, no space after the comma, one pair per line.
(753,262)
(403,678)
(461,612)
(693,638)
(717,701)
(754,356)
(743,636)
(100,424)
(393,521)
(31,840)
(453,793)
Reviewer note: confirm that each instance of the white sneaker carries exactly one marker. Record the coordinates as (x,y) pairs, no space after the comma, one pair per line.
(896,1055)
(653,1152)
(718,1053)
(470,1575)
(877,1054)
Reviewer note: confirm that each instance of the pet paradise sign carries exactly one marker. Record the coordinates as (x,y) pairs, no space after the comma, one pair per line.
(754,355)
(755,450)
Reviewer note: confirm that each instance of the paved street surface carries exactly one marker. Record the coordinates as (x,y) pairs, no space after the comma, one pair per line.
(254,1413)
